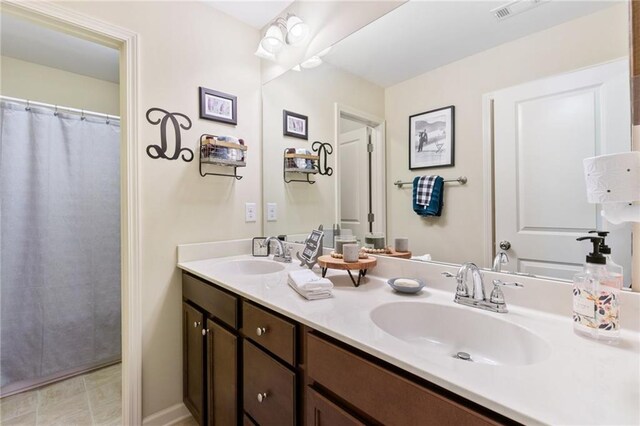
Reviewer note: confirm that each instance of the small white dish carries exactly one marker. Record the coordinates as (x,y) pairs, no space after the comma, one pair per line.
(399,284)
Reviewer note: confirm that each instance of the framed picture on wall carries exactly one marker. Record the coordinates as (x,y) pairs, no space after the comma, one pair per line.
(218,106)
(432,138)
(295,125)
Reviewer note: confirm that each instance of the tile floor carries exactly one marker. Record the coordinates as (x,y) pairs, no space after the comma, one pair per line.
(92,399)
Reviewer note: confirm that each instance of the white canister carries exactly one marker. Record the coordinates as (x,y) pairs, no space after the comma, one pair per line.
(401,244)
(350,252)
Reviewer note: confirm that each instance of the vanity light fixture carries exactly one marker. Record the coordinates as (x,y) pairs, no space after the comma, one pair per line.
(290,30)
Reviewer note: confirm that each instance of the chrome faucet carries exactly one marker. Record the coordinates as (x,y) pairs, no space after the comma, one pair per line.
(477,299)
(500,259)
(283,254)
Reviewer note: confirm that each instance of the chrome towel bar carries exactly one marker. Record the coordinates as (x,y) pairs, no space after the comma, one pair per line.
(461,180)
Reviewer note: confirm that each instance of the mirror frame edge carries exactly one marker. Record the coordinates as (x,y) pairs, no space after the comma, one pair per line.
(634,43)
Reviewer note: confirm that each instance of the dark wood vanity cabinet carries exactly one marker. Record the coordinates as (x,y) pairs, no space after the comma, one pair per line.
(193,360)
(222,375)
(210,353)
(246,365)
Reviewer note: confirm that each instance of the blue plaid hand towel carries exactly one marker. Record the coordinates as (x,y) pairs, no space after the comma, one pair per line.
(428,195)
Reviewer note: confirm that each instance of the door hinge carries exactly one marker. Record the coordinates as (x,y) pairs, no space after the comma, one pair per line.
(369,147)
(370,218)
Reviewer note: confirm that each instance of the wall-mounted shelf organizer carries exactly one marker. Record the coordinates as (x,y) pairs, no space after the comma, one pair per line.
(305,164)
(218,152)
(462,180)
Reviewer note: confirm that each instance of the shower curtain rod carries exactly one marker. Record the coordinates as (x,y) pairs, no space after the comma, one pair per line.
(57,108)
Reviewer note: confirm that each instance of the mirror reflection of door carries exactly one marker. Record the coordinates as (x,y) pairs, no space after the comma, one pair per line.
(360,185)
(542,131)
(355,184)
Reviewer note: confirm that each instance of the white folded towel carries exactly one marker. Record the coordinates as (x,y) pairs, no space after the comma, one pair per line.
(423,258)
(309,285)
(307,280)
(311,294)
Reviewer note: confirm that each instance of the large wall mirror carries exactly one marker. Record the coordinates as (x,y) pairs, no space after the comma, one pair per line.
(534,91)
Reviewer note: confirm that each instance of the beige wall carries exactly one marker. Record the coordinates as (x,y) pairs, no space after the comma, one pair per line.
(184,45)
(301,206)
(329,22)
(26,80)
(457,235)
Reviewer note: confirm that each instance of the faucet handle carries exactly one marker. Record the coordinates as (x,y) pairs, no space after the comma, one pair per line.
(287,250)
(504,284)
(461,290)
(497,296)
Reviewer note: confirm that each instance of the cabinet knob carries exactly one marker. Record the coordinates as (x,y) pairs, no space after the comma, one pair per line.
(205,331)
(261,331)
(196,324)
(262,396)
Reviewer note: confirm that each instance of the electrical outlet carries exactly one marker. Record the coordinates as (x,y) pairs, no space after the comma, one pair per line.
(250,214)
(272,212)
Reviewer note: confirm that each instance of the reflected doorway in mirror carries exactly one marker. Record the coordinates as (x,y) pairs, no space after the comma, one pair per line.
(431,139)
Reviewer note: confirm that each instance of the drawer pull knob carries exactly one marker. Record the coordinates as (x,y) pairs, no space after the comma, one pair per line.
(205,331)
(261,331)
(262,397)
(196,324)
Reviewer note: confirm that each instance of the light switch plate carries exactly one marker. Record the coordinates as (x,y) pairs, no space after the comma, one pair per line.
(272,212)
(250,214)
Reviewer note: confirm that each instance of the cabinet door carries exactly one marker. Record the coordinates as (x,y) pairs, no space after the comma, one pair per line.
(222,376)
(193,361)
(323,412)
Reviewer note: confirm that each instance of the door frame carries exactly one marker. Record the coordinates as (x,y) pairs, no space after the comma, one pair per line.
(126,41)
(378,161)
(488,238)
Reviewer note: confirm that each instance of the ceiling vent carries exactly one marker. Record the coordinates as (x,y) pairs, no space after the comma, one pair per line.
(514,8)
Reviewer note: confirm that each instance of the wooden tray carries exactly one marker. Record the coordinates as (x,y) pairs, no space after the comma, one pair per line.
(397,254)
(326,261)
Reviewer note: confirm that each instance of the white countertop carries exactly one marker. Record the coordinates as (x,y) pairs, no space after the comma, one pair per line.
(581,382)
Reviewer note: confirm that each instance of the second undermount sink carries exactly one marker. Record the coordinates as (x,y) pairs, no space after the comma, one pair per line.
(248,267)
(458,332)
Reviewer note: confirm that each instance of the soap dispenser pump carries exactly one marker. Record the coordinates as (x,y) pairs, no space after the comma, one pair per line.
(614,269)
(595,301)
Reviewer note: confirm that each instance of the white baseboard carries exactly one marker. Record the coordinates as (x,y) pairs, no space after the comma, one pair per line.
(168,416)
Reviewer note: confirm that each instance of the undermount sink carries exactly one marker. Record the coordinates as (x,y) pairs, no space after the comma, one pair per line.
(458,332)
(248,267)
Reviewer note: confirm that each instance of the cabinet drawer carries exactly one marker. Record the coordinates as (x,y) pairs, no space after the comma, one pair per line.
(217,302)
(264,375)
(269,331)
(380,393)
(323,412)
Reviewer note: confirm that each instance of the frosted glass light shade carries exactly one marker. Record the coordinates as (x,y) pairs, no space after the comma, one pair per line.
(613,178)
(261,53)
(273,41)
(312,62)
(297,30)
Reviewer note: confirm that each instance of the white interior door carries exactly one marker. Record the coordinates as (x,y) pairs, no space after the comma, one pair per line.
(542,132)
(353,163)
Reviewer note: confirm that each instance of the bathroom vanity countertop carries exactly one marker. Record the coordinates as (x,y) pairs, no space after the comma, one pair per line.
(581,381)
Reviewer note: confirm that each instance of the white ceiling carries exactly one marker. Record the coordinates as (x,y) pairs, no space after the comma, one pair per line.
(423,35)
(22,39)
(256,13)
